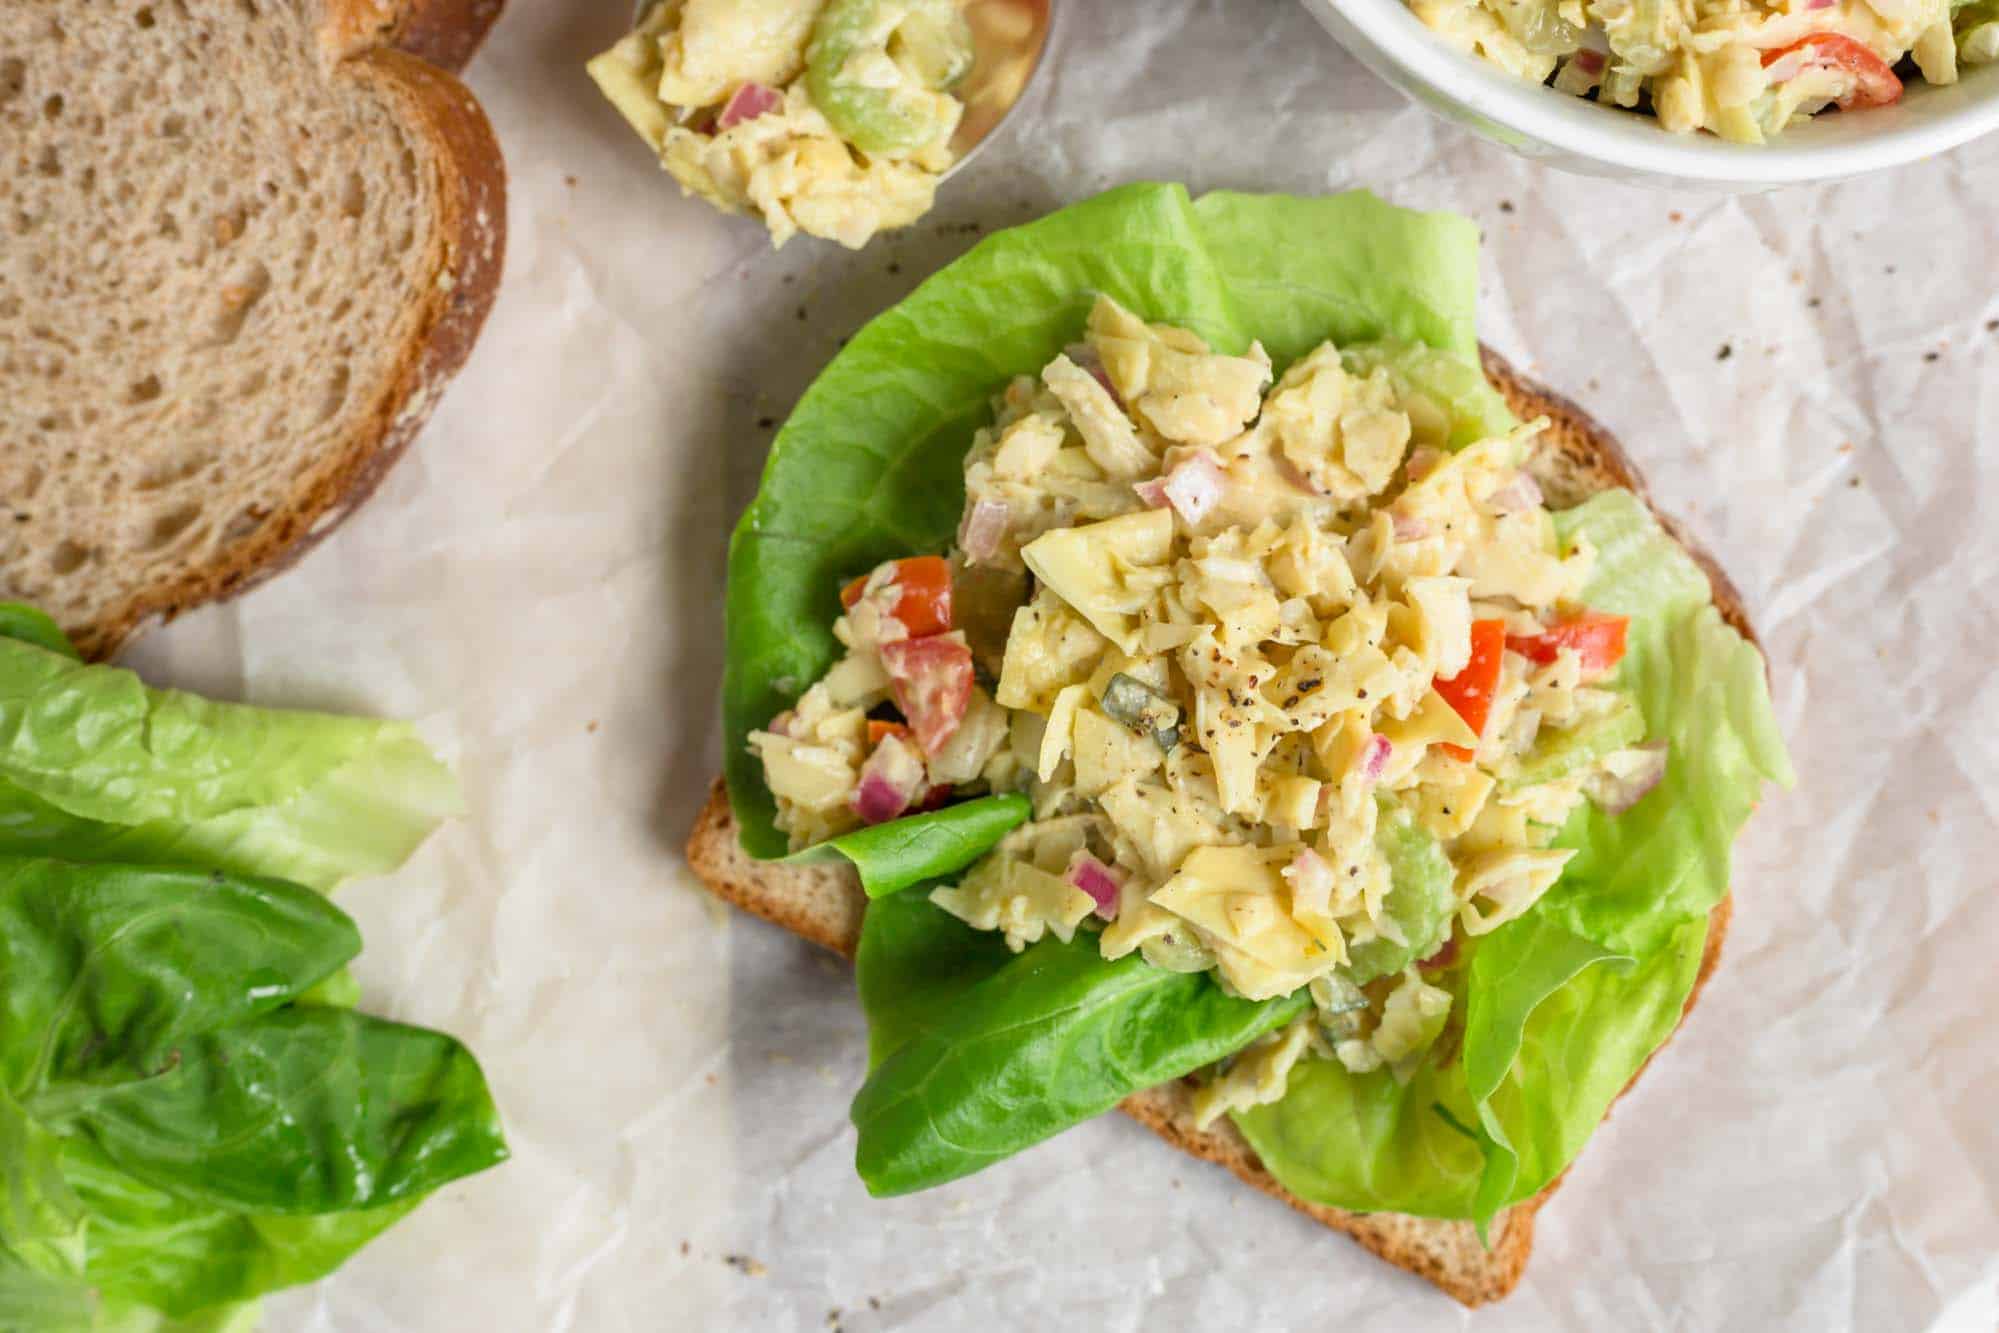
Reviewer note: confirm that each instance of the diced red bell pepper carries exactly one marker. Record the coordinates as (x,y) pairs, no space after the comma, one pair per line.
(877,730)
(923,594)
(1470,691)
(930,680)
(1595,638)
(1874,80)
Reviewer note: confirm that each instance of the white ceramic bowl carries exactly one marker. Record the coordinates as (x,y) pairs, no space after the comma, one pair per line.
(1582,136)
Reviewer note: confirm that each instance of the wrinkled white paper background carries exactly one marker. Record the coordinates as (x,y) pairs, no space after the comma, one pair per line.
(1810,378)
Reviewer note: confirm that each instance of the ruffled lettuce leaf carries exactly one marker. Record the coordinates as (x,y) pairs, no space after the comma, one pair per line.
(1561,1007)
(869,464)
(96,766)
(903,852)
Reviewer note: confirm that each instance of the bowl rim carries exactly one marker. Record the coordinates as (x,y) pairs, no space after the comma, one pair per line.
(1622,140)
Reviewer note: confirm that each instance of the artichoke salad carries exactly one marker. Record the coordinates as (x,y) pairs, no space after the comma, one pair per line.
(830,117)
(1740,69)
(1239,706)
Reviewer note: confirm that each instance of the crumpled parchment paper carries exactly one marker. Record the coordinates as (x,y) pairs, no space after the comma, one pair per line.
(1810,378)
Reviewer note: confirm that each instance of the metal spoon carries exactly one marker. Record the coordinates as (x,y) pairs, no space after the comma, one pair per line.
(1008,37)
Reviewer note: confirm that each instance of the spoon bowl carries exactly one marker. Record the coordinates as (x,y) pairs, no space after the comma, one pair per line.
(1008,39)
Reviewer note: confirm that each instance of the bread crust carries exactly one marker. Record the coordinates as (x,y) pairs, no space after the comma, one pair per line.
(466,256)
(446,33)
(823,903)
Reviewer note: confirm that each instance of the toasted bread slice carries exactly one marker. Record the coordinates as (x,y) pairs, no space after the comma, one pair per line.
(248,241)
(824,903)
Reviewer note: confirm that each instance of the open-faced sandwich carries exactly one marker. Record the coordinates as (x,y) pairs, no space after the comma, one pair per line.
(1185,677)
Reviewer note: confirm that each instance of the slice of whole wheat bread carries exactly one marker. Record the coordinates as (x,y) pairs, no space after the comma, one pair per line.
(244,245)
(823,903)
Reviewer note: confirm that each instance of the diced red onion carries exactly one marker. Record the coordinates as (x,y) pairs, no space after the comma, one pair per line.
(1618,794)
(1423,461)
(747,103)
(1194,485)
(1409,528)
(1152,492)
(984,527)
(1098,880)
(1374,756)
(878,800)
(1443,957)
(781,724)
(1591,62)
(890,780)
(936,798)
(1821,4)
(1520,494)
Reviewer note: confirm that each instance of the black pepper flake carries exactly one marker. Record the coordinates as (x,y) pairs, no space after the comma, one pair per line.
(1931,356)
(1992,326)
(1725,352)
(1361,693)
(765,423)
(1506,205)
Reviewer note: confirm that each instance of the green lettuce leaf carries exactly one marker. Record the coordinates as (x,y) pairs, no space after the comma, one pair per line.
(1049,1039)
(869,465)
(27,624)
(107,971)
(152,1247)
(891,857)
(1704,692)
(149,1011)
(914,961)
(95,766)
(1473,409)
(178,1132)
(1549,1037)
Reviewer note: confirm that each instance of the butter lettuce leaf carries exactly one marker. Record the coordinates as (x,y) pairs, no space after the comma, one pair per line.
(28,624)
(96,766)
(893,856)
(914,960)
(1053,1036)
